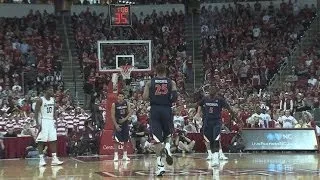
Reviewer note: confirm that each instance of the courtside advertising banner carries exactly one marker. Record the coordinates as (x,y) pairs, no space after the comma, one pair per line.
(280,139)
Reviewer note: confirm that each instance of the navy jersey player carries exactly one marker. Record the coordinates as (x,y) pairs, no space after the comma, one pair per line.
(212,106)
(207,143)
(120,114)
(162,92)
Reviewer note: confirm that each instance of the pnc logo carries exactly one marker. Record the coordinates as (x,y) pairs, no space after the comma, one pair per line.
(278,136)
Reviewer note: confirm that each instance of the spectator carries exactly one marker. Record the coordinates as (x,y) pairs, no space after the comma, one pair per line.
(178,120)
(265,118)
(299,103)
(287,120)
(308,121)
(286,103)
(11,133)
(27,131)
(182,144)
(139,137)
(237,144)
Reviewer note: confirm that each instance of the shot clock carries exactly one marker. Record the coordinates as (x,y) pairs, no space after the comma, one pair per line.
(120,15)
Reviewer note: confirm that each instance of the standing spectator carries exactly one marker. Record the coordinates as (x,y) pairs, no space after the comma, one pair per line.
(178,120)
(308,120)
(286,103)
(299,103)
(265,118)
(287,120)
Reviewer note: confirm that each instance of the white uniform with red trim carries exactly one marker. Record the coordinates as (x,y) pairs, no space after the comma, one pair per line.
(48,131)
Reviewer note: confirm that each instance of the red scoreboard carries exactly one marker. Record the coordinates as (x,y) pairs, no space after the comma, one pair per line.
(120,15)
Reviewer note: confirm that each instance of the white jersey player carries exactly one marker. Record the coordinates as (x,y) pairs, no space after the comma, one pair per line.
(45,117)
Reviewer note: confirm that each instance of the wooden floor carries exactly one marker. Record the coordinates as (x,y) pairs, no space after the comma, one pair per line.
(190,166)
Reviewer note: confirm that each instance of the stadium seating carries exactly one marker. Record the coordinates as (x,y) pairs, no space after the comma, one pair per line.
(30,60)
(32,46)
(149,27)
(244,47)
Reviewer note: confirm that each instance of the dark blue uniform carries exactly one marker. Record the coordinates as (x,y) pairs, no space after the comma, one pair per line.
(121,111)
(160,94)
(212,108)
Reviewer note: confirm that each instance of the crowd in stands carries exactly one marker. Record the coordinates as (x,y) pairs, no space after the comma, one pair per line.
(29,53)
(165,29)
(244,46)
(30,50)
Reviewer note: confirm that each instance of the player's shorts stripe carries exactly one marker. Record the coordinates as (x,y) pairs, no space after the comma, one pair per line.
(155,138)
(218,137)
(117,140)
(206,139)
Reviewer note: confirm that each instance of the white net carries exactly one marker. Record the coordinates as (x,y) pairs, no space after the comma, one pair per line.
(126,71)
(115,53)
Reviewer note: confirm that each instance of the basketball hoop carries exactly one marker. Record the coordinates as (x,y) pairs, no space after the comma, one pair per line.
(126,71)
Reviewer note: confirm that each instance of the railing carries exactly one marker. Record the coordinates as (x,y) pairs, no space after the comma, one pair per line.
(70,58)
(193,52)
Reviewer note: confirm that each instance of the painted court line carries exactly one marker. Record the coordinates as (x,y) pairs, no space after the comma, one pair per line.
(77,160)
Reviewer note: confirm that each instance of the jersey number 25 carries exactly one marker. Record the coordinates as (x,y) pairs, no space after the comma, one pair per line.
(161,89)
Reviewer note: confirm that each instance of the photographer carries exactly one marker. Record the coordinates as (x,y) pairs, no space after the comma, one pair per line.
(88,142)
(182,143)
(139,137)
(237,144)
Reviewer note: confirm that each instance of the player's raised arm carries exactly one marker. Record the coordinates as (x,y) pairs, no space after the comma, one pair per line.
(174,92)
(146,91)
(113,117)
(198,112)
(37,111)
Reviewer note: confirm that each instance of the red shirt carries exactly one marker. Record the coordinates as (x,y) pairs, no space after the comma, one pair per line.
(143,119)
(225,117)
(26,108)
(244,115)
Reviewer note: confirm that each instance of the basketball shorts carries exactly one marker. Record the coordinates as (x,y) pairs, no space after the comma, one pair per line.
(211,131)
(161,122)
(48,131)
(123,135)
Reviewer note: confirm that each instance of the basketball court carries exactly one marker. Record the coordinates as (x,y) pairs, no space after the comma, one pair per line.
(190,166)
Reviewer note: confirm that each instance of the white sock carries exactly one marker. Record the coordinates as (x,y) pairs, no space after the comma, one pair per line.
(220,151)
(115,153)
(159,161)
(167,146)
(41,156)
(125,154)
(209,152)
(54,155)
